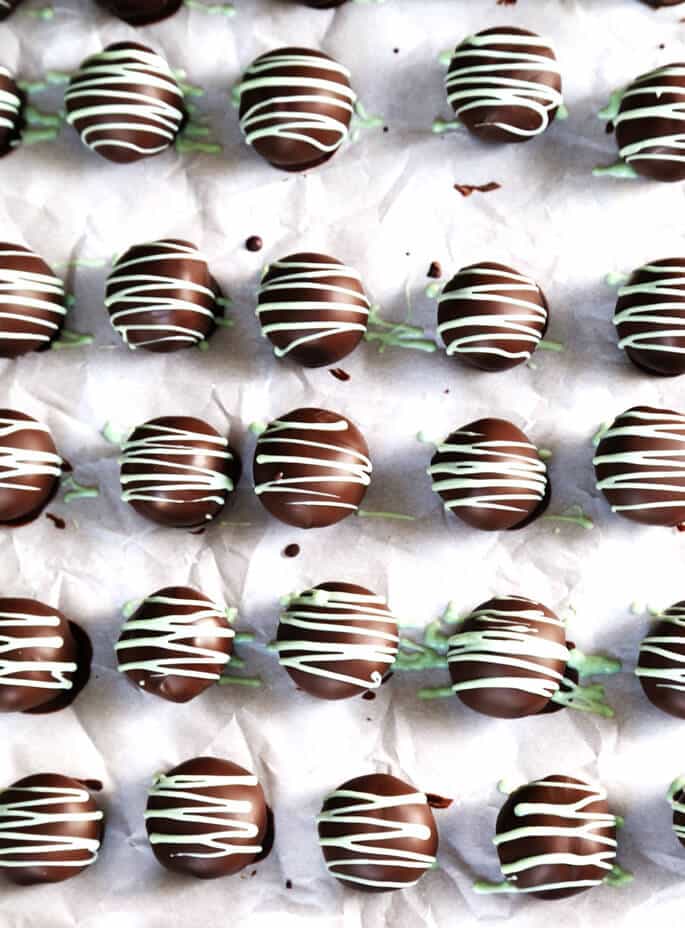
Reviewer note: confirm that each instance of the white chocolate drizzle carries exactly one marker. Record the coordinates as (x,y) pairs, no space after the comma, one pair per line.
(671,674)
(10,102)
(19,463)
(12,669)
(659,308)
(26,295)
(676,798)
(671,145)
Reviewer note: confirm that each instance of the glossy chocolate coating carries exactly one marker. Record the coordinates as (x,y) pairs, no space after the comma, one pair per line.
(661,664)
(161,296)
(12,101)
(71,844)
(32,302)
(7,7)
(322,4)
(219,822)
(491,316)
(312,308)
(678,804)
(141,12)
(30,467)
(311,468)
(176,644)
(490,475)
(178,471)
(373,841)
(640,466)
(659,3)
(337,640)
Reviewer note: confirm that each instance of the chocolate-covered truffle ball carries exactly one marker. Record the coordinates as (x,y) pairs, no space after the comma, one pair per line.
(125,103)
(11,110)
(296,105)
(141,12)
(32,302)
(555,838)
(377,833)
(661,664)
(178,471)
(206,818)
(311,468)
(50,828)
(337,640)
(507,659)
(491,316)
(175,644)
(676,797)
(312,308)
(504,84)
(640,466)
(7,7)
(650,317)
(30,467)
(162,297)
(490,475)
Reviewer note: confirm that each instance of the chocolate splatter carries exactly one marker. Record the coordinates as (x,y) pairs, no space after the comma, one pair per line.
(467,189)
(339,373)
(369,695)
(198,531)
(288,884)
(609,127)
(435,270)
(506,2)
(57,521)
(254,243)
(291,550)
(438,802)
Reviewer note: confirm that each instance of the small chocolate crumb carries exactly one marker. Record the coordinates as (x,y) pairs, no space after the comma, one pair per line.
(446,390)
(368,719)
(339,373)
(254,243)
(288,884)
(609,128)
(385,129)
(662,46)
(57,521)
(291,550)
(438,802)
(435,270)
(506,2)
(395,51)
(467,189)
(369,695)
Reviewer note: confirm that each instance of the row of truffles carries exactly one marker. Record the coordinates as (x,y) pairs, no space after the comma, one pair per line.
(296,105)
(146,12)
(161,296)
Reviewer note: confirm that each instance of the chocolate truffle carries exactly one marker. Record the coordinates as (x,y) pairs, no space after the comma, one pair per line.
(296,105)
(322,4)
(555,838)
(337,640)
(492,317)
(377,833)
(162,297)
(206,818)
(504,84)
(661,664)
(312,308)
(30,467)
(508,658)
(125,103)
(7,7)
(178,471)
(650,317)
(60,811)
(490,475)
(32,302)
(141,12)
(640,466)
(11,111)
(311,468)
(175,644)
(676,797)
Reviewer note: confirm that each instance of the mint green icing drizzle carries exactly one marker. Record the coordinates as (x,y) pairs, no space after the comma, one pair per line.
(548,345)
(617,169)
(483,887)
(76,490)
(592,665)
(616,278)
(362,120)
(584,698)
(258,428)
(229,679)
(599,434)
(433,290)
(45,13)
(445,125)
(427,654)
(400,516)
(562,112)
(618,877)
(397,334)
(545,454)
(115,434)
(68,339)
(609,112)
(213,9)
(130,607)
(574,515)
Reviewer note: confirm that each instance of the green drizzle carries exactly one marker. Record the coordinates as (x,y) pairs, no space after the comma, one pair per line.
(229,679)
(591,665)
(599,434)
(618,877)
(676,786)
(562,113)
(362,120)
(433,291)
(369,514)
(609,112)
(574,515)
(397,334)
(484,887)
(45,13)
(618,169)
(115,434)
(547,345)
(590,698)
(68,339)
(214,9)
(130,607)
(616,279)
(76,490)
(545,454)
(445,125)
(258,428)
(427,654)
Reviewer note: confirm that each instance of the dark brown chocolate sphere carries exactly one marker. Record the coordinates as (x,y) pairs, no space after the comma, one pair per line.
(30,467)
(207,818)
(125,103)
(640,466)
(296,105)
(178,471)
(32,302)
(377,833)
(504,84)
(650,317)
(661,664)
(337,640)
(63,813)
(490,475)
(175,644)
(556,837)
(11,110)
(507,659)
(162,297)
(141,12)
(491,316)
(312,308)
(311,468)
(7,7)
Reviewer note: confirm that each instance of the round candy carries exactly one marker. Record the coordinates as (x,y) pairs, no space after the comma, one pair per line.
(62,811)
(32,302)
(296,105)
(162,297)
(650,317)
(11,110)
(640,466)
(311,468)
(175,644)
(677,799)
(661,664)
(30,467)
(178,471)
(504,84)
(507,659)
(207,818)
(377,833)
(7,6)
(125,103)
(490,475)
(556,837)
(492,317)
(141,12)
(312,308)
(337,640)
